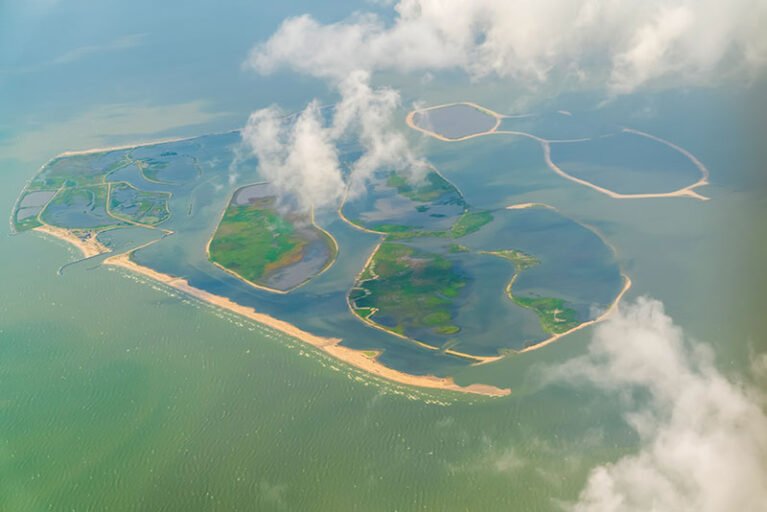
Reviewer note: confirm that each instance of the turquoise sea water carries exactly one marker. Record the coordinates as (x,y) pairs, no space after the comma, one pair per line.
(117,394)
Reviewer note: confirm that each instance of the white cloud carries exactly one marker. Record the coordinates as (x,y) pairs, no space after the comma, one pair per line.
(299,156)
(703,437)
(368,114)
(623,44)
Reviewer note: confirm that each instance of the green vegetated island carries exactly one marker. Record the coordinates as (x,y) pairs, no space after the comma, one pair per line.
(267,245)
(79,193)
(413,286)
(555,316)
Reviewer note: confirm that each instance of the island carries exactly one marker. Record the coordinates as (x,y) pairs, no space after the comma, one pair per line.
(418,273)
(269,245)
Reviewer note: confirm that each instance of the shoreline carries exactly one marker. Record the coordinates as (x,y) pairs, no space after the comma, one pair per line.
(89,248)
(154,142)
(330,346)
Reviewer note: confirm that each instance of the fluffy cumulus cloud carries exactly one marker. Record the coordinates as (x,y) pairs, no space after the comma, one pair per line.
(299,155)
(703,437)
(296,155)
(369,114)
(623,44)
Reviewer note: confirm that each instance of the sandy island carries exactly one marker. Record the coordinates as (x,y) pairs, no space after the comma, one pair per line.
(331,346)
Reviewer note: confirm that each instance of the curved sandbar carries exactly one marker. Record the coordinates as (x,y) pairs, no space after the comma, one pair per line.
(331,346)
(688,191)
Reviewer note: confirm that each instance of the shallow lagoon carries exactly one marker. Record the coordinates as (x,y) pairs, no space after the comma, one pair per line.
(455,121)
(82,208)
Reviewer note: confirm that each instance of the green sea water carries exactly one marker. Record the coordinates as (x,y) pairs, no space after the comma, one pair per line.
(118,394)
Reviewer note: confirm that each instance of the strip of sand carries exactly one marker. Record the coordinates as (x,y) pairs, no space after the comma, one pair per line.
(525,206)
(89,246)
(330,346)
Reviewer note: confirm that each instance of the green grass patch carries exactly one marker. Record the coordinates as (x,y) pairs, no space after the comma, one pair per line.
(255,240)
(364,312)
(27,223)
(520,259)
(393,228)
(554,315)
(448,330)
(415,289)
(457,248)
(470,222)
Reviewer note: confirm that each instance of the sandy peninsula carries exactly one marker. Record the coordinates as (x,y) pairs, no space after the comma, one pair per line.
(331,346)
(88,245)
